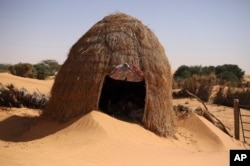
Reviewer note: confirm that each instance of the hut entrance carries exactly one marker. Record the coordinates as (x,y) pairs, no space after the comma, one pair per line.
(123,99)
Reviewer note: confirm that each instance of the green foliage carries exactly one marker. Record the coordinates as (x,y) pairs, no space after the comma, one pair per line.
(23,70)
(46,68)
(207,70)
(225,74)
(4,67)
(53,65)
(42,71)
(236,73)
(182,72)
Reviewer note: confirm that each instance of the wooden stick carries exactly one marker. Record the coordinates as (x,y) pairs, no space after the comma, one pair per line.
(209,116)
(236,120)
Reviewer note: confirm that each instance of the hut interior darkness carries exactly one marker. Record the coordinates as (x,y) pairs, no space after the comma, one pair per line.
(124,100)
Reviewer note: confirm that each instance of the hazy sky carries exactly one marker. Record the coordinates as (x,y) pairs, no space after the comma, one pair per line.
(193,32)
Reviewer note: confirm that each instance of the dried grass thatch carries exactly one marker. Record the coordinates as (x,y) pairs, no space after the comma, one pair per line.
(116,39)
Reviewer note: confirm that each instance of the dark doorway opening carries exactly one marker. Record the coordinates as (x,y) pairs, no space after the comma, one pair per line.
(123,99)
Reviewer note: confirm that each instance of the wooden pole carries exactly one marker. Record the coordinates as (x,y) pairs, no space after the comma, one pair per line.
(236,119)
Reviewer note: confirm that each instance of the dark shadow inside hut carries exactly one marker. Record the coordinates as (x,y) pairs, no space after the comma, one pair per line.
(123,99)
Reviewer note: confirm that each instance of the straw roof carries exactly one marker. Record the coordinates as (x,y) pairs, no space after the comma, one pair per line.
(116,39)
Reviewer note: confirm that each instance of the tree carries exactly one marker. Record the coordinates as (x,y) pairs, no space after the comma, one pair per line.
(53,65)
(229,68)
(182,72)
(195,70)
(4,67)
(42,71)
(207,70)
(23,70)
(227,76)
(226,72)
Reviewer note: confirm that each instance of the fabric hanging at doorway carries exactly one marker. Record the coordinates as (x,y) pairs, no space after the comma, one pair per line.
(127,72)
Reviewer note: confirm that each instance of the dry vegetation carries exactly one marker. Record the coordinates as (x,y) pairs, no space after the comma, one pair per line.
(208,90)
(11,96)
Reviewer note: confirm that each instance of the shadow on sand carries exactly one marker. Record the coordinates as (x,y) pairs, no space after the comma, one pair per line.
(22,129)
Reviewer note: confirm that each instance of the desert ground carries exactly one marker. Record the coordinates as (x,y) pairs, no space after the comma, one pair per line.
(99,139)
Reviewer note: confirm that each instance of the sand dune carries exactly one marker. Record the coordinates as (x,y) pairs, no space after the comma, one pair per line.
(99,139)
(32,85)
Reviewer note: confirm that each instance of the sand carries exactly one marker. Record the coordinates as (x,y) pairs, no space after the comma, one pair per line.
(32,85)
(99,139)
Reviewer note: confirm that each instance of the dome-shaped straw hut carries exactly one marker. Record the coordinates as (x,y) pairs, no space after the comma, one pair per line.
(118,59)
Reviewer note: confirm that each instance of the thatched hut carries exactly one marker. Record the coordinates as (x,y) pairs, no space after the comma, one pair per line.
(83,84)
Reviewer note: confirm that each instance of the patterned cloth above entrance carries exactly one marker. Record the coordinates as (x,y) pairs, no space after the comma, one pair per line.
(127,72)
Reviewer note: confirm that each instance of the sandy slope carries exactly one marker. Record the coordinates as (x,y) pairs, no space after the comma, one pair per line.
(224,113)
(32,85)
(98,139)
